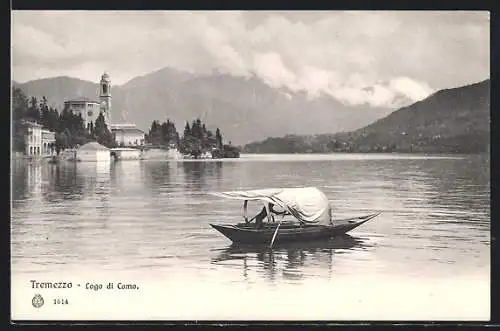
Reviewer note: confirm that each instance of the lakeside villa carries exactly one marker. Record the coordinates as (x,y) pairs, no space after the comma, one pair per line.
(131,140)
(38,141)
(41,142)
(125,134)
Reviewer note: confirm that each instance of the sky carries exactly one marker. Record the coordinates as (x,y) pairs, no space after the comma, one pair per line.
(356,56)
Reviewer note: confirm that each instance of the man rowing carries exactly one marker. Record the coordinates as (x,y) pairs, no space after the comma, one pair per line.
(259,218)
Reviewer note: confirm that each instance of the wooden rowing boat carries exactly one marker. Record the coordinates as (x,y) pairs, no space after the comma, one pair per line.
(309,207)
(289,231)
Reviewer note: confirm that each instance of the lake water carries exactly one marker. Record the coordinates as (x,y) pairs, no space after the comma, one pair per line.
(427,256)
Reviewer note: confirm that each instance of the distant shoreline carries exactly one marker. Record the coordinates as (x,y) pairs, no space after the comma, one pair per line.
(24,157)
(367,153)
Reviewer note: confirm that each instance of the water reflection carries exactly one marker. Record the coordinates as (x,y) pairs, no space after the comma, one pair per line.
(290,260)
(27,184)
(437,193)
(198,174)
(157,175)
(157,172)
(77,180)
(128,178)
(463,186)
(19,181)
(97,176)
(67,185)
(435,216)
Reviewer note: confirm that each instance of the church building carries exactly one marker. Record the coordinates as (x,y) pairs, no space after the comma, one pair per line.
(126,134)
(89,109)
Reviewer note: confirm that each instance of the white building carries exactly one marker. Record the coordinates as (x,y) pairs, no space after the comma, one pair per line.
(121,153)
(33,138)
(38,141)
(48,142)
(93,152)
(88,109)
(127,134)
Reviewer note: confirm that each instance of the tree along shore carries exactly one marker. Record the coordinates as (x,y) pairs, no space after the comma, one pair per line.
(70,131)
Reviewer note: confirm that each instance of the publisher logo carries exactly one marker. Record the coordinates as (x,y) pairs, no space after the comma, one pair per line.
(37,301)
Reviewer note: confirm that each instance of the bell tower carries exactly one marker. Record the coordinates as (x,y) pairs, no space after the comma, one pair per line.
(105,97)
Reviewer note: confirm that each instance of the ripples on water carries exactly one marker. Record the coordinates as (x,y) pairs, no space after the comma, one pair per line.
(154,216)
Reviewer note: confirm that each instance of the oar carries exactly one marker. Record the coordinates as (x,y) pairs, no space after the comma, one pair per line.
(276,232)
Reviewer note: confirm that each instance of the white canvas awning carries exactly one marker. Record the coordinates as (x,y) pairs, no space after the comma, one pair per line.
(306,204)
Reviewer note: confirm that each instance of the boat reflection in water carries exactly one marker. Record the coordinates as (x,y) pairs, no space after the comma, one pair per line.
(290,260)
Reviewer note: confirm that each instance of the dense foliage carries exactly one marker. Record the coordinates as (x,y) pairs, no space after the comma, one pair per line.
(325,143)
(70,131)
(449,121)
(19,112)
(100,132)
(69,128)
(374,142)
(196,139)
(163,135)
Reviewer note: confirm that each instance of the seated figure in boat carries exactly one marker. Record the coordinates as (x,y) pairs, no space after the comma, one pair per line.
(259,218)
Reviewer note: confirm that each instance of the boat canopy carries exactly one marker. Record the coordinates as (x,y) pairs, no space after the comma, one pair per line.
(306,204)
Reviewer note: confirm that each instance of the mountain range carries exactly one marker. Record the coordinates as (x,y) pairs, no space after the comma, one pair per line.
(244,108)
(455,120)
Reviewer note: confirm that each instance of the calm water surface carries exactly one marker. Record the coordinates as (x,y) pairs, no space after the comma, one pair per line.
(154,217)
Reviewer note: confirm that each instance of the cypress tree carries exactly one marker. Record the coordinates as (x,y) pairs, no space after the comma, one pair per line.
(33,112)
(218,138)
(102,134)
(187,130)
(19,104)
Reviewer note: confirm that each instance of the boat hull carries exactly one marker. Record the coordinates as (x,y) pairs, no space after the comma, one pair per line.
(248,234)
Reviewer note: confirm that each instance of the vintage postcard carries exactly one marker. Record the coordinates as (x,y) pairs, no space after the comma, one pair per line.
(238,165)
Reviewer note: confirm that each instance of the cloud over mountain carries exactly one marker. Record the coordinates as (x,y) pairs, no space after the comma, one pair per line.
(377,58)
